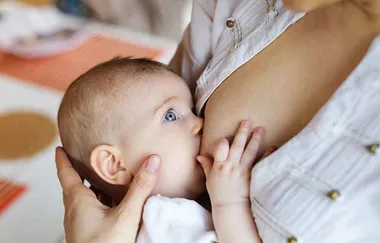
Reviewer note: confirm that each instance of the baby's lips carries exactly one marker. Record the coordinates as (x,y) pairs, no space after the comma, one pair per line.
(205,163)
(200,159)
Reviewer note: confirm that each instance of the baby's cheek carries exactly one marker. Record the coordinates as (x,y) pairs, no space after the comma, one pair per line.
(168,181)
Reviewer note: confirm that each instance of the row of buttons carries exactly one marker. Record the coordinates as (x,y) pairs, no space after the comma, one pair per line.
(372,148)
(335,194)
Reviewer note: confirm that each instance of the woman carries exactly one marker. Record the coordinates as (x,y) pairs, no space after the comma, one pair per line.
(298,187)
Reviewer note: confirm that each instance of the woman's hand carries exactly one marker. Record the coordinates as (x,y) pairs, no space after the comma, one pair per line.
(88,220)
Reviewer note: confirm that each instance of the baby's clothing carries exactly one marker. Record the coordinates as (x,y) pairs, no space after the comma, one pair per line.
(175,220)
(323,185)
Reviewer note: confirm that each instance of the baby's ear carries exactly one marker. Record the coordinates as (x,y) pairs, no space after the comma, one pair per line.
(105,161)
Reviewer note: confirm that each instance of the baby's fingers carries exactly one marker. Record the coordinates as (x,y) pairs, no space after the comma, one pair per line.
(206,164)
(221,150)
(252,148)
(239,142)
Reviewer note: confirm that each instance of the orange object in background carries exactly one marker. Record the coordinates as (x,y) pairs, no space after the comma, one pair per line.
(37,2)
(59,71)
(9,192)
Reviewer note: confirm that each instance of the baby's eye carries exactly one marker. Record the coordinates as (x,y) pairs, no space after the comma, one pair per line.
(170,116)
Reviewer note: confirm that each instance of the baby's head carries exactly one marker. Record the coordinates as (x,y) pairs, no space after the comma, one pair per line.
(116,114)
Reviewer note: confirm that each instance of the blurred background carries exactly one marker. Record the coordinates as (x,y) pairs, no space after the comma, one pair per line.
(44,46)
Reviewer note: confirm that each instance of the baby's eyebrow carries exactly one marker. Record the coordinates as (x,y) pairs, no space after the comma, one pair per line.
(156,109)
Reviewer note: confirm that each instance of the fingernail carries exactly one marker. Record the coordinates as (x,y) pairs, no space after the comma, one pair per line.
(153,164)
(258,130)
(56,150)
(245,124)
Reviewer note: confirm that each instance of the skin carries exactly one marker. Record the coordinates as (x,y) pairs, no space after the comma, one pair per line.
(353,26)
(88,220)
(228,183)
(273,96)
(176,141)
(159,120)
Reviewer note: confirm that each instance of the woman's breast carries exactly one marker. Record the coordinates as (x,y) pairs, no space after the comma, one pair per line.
(284,86)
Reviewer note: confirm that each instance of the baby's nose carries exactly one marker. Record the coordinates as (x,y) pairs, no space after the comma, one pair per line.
(197,126)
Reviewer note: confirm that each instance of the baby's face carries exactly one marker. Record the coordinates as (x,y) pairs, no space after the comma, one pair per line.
(161,122)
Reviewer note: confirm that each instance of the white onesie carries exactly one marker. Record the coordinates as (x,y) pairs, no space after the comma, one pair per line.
(176,220)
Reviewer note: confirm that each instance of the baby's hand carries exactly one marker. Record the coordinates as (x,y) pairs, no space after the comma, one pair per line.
(228,177)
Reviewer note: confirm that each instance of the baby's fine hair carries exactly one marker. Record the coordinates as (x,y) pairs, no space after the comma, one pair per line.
(90,113)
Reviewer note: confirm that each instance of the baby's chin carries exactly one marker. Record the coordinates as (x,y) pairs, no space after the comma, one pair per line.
(196,194)
(197,190)
(191,191)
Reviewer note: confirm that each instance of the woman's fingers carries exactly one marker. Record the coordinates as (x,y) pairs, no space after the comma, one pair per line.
(221,150)
(239,142)
(67,176)
(252,148)
(141,187)
(206,164)
(73,189)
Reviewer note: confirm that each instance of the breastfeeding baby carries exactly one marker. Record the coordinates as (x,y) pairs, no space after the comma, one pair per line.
(320,186)
(119,112)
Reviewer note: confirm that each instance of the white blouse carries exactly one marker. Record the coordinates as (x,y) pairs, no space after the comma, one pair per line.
(324,184)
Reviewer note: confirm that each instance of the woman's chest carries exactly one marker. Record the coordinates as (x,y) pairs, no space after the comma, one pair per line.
(283,86)
(322,185)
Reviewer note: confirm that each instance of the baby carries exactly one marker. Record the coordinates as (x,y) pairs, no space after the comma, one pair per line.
(119,112)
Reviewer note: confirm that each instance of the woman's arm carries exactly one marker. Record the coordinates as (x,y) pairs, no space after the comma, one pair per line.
(369,7)
(307,5)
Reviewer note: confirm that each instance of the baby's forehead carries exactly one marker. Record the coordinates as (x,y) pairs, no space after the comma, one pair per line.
(153,89)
